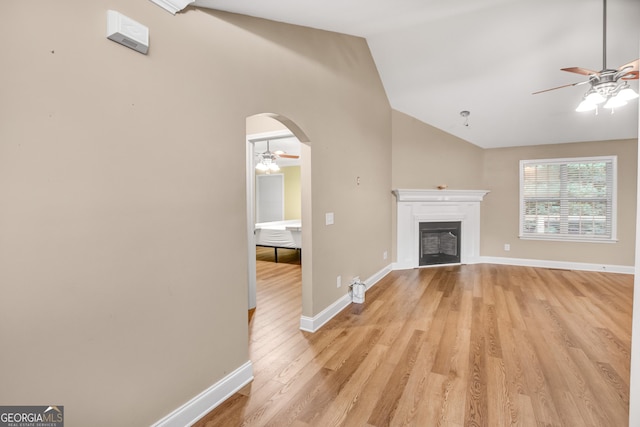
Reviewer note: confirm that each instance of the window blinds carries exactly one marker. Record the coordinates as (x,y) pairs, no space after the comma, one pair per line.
(568,199)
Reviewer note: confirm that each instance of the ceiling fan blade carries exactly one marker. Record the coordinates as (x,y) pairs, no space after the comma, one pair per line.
(580,70)
(633,75)
(630,69)
(288,156)
(632,66)
(560,87)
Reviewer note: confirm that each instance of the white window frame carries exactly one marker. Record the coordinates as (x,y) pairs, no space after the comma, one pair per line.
(269,197)
(566,237)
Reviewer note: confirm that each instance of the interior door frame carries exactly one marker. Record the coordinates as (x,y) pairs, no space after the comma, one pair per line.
(251,214)
(251,208)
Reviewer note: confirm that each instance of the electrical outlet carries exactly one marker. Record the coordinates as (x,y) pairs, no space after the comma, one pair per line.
(507,247)
(384,255)
(338,281)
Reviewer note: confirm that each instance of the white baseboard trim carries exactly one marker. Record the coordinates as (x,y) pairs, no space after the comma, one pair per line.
(312,324)
(373,280)
(189,413)
(566,265)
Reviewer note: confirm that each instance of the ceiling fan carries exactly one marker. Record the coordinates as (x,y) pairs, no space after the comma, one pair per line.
(608,86)
(267,159)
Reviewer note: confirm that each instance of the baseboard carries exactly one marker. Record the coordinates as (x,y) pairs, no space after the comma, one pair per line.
(373,280)
(312,324)
(189,413)
(581,266)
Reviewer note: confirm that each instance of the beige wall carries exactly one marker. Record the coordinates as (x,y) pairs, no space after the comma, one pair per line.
(123,257)
(425,157)
(292,200)
(261,124)
(500,209)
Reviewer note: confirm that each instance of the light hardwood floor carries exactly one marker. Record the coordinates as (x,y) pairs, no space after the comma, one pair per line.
(472,345)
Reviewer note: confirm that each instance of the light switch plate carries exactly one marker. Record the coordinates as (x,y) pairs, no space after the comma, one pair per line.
(329,218)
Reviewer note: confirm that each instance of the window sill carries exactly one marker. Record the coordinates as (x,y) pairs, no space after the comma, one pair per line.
(567,239)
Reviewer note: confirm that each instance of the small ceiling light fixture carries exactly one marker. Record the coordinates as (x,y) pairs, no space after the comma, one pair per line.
(465,115)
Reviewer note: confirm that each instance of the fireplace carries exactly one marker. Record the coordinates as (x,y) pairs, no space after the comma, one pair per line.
(439,243)
(416,207)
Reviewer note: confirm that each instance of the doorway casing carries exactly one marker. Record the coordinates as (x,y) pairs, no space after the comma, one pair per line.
(305,188)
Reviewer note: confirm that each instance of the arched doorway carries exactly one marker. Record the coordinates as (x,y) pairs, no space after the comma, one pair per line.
(261,126)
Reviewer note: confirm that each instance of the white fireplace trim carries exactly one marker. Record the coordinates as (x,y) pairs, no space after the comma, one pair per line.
(440,195)
(416,206)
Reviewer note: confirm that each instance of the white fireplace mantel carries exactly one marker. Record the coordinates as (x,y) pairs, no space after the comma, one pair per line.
(416,206)
(440,195)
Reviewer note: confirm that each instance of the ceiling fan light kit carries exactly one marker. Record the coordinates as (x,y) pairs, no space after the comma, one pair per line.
(267,164)
(267,160)
(608,87)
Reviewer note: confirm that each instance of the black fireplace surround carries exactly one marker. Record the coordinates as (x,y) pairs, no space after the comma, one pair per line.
(439,243)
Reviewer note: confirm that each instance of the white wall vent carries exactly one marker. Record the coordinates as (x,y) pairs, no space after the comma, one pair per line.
(127,32)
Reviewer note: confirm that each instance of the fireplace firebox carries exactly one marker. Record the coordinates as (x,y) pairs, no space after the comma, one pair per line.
(439,243)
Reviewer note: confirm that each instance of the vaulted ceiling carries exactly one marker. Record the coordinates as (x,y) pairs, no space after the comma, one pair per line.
(437,58)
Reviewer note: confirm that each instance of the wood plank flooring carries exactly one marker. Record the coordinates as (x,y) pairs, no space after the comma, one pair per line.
(472,345)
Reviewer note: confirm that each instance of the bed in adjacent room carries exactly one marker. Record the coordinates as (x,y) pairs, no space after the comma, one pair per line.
(279,234)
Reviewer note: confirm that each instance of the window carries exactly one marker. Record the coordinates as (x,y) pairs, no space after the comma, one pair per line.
(568,199)
(269,197)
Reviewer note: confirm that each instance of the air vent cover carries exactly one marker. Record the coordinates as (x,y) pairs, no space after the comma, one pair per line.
(127,32)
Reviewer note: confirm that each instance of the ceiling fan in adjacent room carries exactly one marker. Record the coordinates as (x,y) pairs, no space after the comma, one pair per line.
(609,87)
(267,159)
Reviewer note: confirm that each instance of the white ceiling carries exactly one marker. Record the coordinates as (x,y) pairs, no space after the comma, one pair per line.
(439,57)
